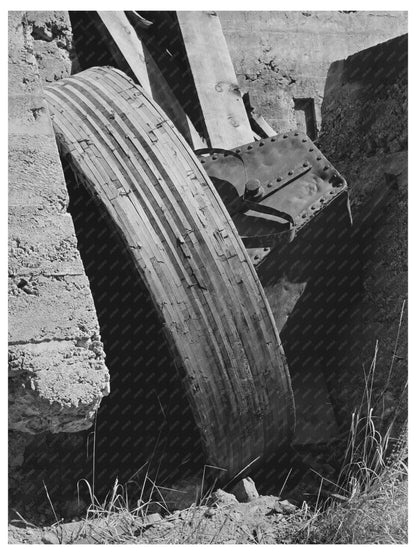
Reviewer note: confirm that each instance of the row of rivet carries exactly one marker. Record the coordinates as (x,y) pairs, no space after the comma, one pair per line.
(261,143)
(305,164)
(315,206)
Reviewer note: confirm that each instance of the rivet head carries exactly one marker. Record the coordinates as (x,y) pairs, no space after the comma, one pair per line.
(269,185)
(249,147)
(202,161)
(261,143)
(296,134)
(214,157)
(278,179)
(285,136)
(326,167)
(238,150)
(305,164)
(303,140)
(311,150)
(319,157)
(273,139)
(290,172)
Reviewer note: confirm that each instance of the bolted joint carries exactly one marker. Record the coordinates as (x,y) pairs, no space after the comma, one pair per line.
(253,189)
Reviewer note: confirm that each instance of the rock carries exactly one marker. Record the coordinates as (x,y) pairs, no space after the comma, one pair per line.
(286,507)
(50,538)
(221,497)
(245,490)
(150,520)
(210,512)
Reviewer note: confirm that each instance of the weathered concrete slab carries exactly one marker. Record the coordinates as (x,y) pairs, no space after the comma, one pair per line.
(280,56)
(57,375)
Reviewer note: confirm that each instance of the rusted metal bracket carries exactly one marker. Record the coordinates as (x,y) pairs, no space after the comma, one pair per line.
(273,187)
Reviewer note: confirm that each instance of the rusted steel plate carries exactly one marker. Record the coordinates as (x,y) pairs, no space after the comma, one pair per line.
(188,253)
(294,177)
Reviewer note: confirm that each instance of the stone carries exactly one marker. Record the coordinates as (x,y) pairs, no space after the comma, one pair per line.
(50,537)
(245,490)
(221,497)
(150,520)
(286,507)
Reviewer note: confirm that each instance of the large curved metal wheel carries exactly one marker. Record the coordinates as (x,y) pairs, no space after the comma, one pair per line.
(214,311)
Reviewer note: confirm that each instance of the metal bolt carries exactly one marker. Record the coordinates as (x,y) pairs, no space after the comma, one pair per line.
(253,189)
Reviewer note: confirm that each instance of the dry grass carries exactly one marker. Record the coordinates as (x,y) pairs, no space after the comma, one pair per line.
(379,517)
(371,506)
(368,506)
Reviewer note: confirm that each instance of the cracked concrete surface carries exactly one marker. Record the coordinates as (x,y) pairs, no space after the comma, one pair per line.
(57,373)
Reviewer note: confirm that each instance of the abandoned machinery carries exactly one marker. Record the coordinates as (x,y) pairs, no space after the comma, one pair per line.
(200,223)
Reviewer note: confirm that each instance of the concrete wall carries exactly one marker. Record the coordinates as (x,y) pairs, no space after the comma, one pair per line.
(280,56)
(57,375)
